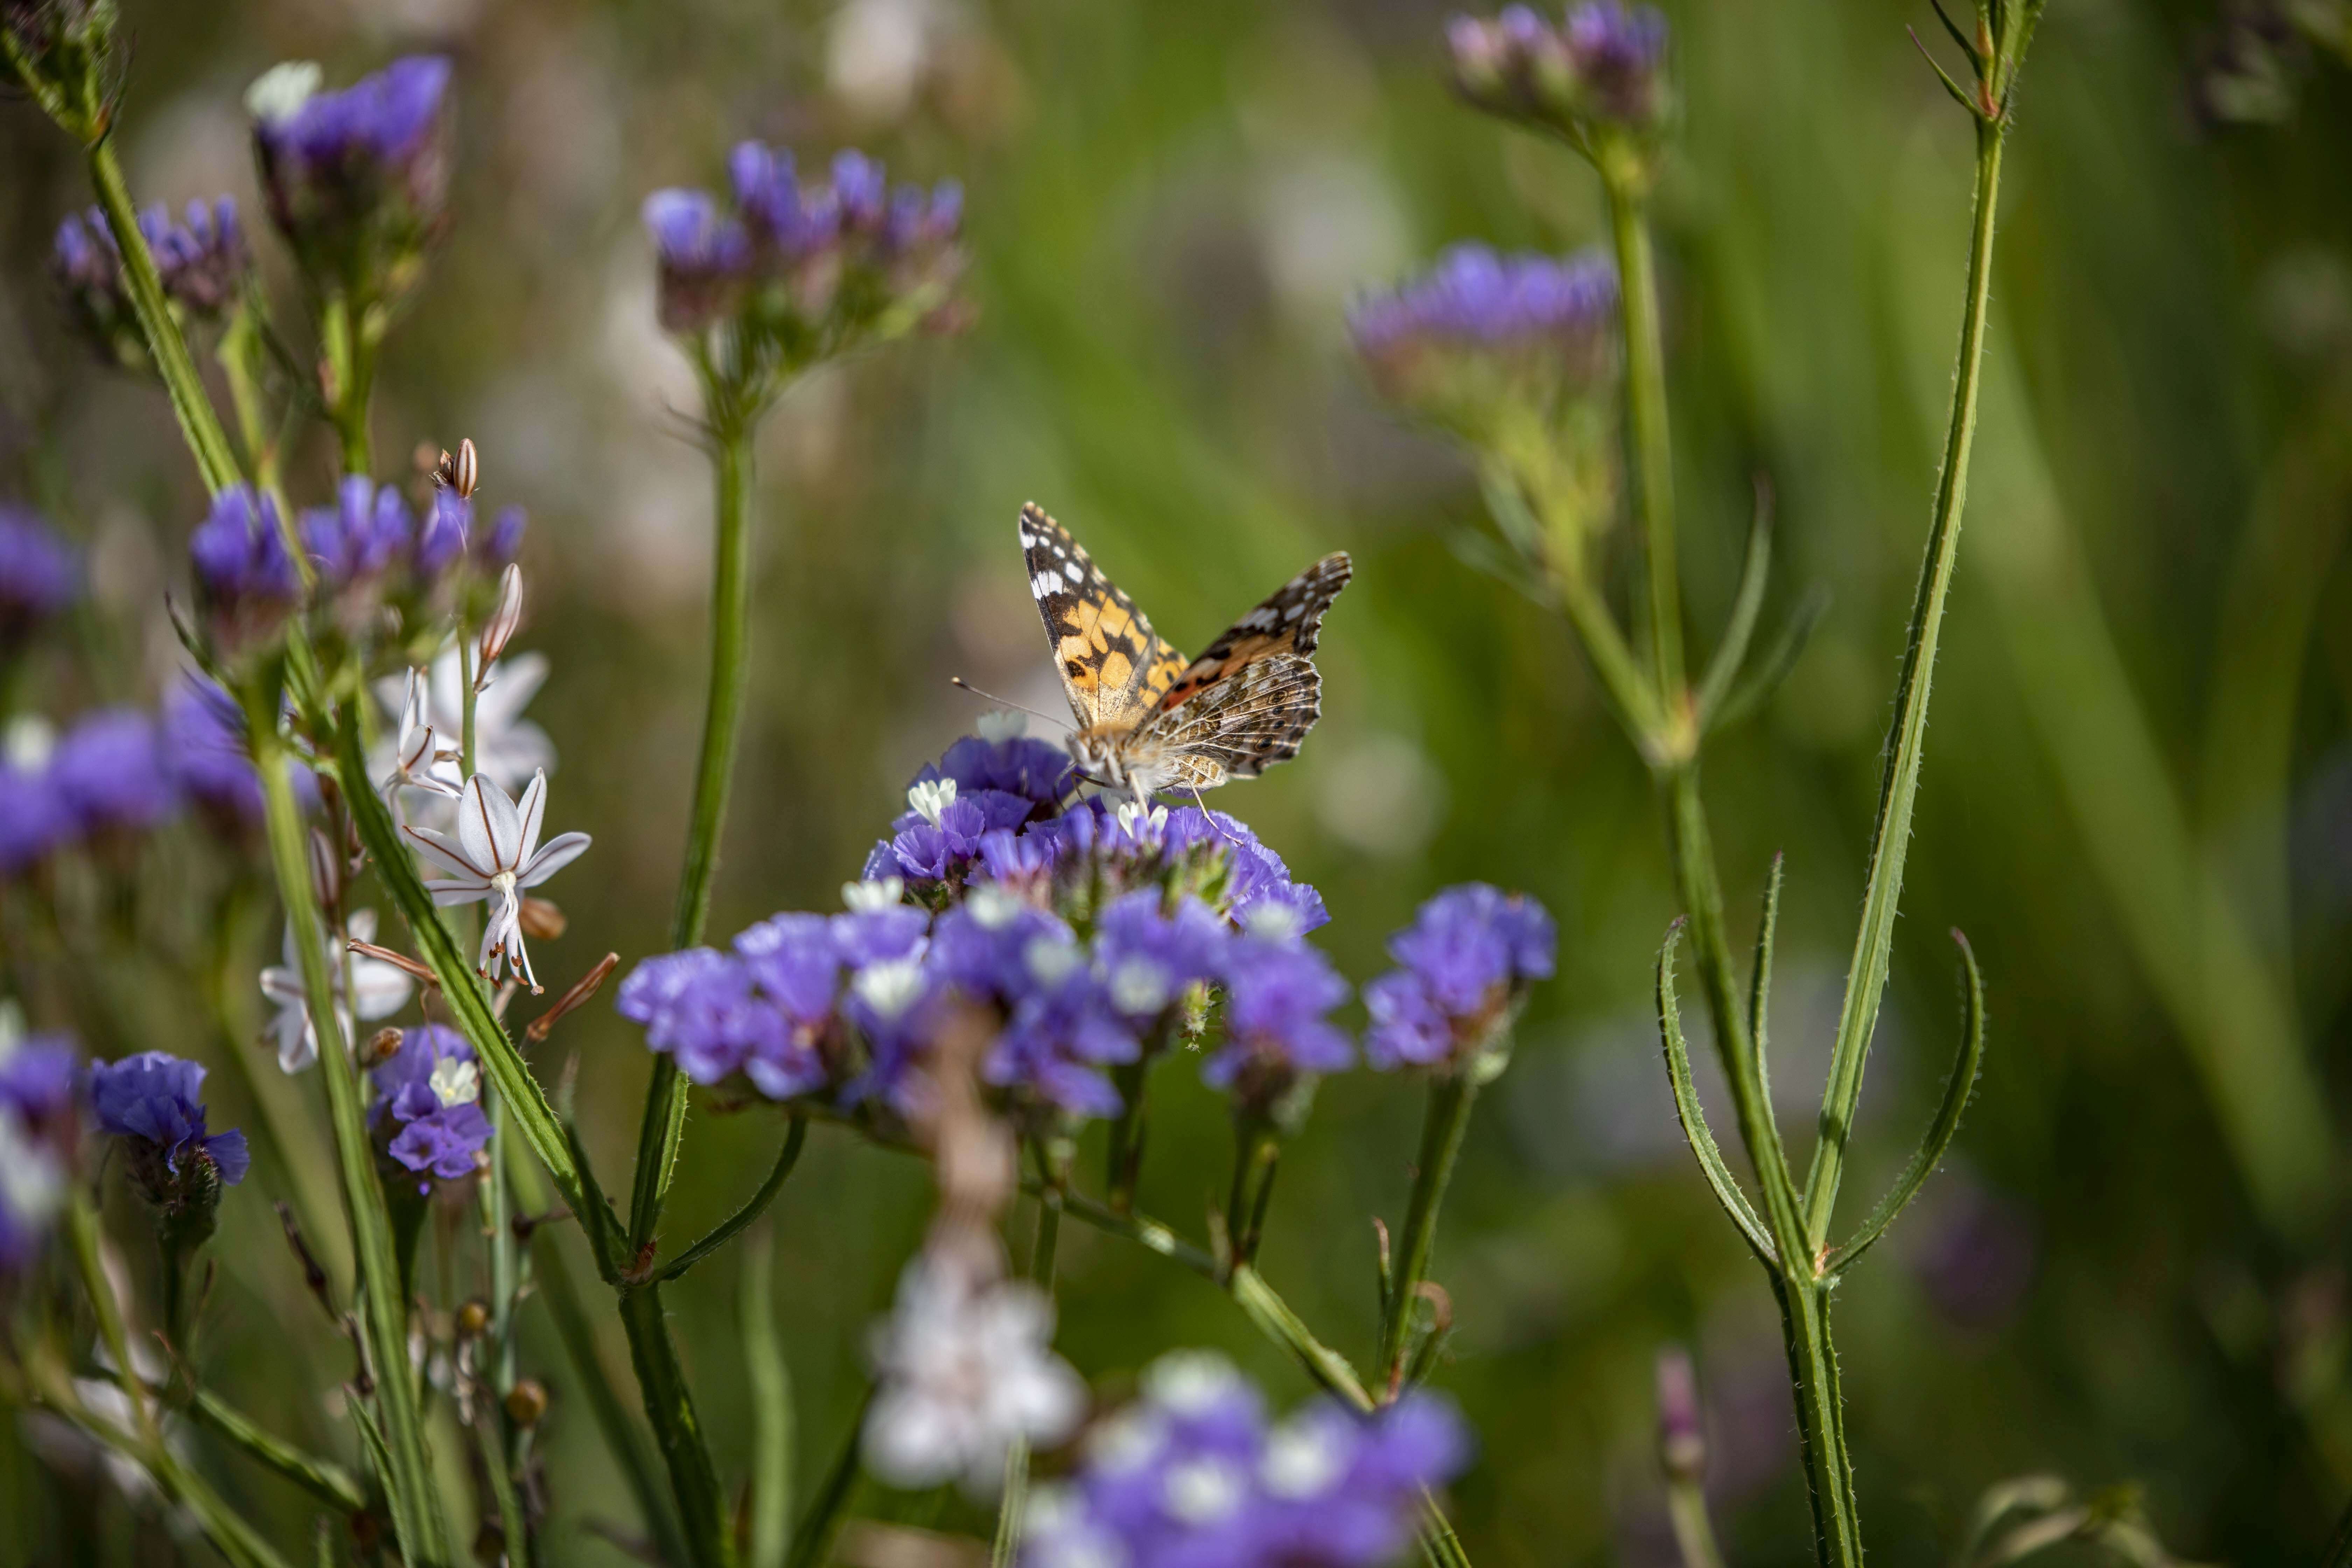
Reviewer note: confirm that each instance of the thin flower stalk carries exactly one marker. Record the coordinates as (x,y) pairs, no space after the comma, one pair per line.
(1446,1123)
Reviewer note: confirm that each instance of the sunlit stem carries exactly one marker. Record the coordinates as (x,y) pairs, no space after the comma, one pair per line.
(1626,180)
(1906,739)
(207,442)
(1444,1122)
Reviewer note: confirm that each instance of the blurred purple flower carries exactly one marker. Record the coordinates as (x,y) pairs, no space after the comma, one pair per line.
(704,257)
(204,740)
(110,774)
(1468,958)
(39,1121)
(360,537)
(355,179)
(1480,332)
(1277,994)
(498,545)
(39,574)
(442,536)
(1193,1474)
(1601,68)
(33,820)
(428,1104)
(244,578)
(202,262)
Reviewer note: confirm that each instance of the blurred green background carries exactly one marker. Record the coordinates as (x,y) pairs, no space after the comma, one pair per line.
(2139,798)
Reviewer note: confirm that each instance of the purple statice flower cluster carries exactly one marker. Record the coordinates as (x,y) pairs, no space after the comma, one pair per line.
(202,260)
(356,179)
(153,1102)
(368,548)
(1600,69)
(806,267)
(1087,939)
(1481,331)
(39,576)
(1466,963)
(40,1119)
(1194,1473)
(246,580)
(428,1106)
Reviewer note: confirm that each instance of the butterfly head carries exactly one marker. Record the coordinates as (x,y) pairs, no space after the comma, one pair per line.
(1099,755)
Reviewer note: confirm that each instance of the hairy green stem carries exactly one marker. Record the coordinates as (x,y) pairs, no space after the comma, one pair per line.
(343,337)
(1906,739)
(408,1483)
(1443,1124)
(207,442)
(677,1428)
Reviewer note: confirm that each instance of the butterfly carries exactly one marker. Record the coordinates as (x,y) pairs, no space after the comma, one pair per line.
(1147,718)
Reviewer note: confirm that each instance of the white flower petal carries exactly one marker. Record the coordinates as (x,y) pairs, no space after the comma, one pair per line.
(460,892)
(437,848)
(489,827)
(560,852)
(533,812)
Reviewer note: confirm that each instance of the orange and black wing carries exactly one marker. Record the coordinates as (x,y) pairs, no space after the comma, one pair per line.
(1289,623)
(1113,666)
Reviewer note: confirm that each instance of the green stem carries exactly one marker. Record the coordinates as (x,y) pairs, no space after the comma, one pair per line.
(1443,1124)
(732,1225)
(239,349)
(351,367)
(677,1429)
(1258,1154)
(812,1537)
(198,421)
(770,1378)
(322,1478)
(408,1482)
(666,1095)
(1646,388)
(1906,739)
(1694,1531)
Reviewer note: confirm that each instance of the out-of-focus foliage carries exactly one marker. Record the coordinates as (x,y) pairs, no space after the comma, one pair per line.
(2139,797)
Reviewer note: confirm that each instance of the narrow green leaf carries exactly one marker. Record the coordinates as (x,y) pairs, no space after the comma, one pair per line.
(492,1446)
(1693,1117)
(1755,572)
(1957,1090)
(752,1208)
(1759,985)
(1773,668)
(322,1478)
(772,1404)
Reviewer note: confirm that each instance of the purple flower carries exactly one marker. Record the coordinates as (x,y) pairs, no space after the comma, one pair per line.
(355,179)
(149,1102)
(429,1103)
(33,820)
(39,574)
(795,962)
(701,1008)
(1148,958)
(359,538)
(39,1076)
(1467,959)
(869,936)
(500,543)
(1277,996)
(1602,70)
(1480,333)
(1192,1475)
(1060,1027)
(110,774)
(246,580)
(1036,771)
(443,537)
(704,256)
(203,261)
(204,739)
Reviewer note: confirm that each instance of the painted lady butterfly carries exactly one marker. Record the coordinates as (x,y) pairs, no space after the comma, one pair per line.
(1147,718)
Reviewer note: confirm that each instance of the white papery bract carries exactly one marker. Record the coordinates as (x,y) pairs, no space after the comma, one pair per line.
(496,854)
(378,990)
(965,1366)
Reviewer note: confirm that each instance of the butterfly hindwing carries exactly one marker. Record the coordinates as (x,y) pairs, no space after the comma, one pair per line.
(1113,666)
(1236,727)
(1288,622)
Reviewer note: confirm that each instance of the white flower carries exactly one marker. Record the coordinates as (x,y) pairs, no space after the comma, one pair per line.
(419,761)
(378,989)
(891,986)
(1001,725)
(865,897)
(930,799)
(456,1081)
(1205,1490)
(281,89)
(1138,820)
(1301,1460)
(507,746)
(965,1367)
(494,854)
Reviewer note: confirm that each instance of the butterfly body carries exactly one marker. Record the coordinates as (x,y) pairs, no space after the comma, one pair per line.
(1147,718)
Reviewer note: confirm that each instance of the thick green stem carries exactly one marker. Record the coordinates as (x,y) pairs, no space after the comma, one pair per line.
(165,345)
(1444,1123)
(408,1483)
(1645,389)
(677,1429)
(1906,739)
(722,722)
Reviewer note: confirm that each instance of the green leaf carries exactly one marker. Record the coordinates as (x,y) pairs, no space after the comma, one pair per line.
(1957,1089)
(1773,668)
(771,1404)
(322,1478)
(1693,1117)
(752,1208)
(1746,606)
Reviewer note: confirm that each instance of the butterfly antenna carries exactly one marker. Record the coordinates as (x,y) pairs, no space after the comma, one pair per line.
(958,680)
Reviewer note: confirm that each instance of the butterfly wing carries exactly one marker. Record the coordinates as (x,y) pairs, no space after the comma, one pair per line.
(1114,667)
(1288,622)
(1236,727)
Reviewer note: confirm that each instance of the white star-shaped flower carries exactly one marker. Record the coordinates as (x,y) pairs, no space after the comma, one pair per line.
(378,990)
(419,760)
(507,746)
(494,854)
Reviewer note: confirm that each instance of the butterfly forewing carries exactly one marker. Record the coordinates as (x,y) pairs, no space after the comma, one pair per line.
(1114,667)
(1288,622)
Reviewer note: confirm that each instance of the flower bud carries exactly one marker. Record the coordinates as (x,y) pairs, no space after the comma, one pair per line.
(542,921)
(473,1318)
(527,1402)
(1600,70)
(62,50)
(149,1102)
(1682,1436)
